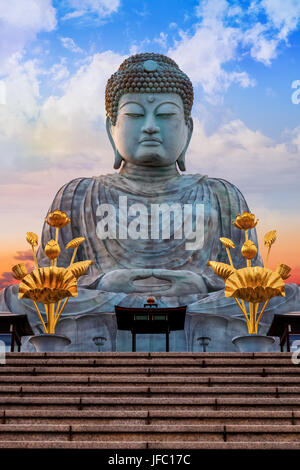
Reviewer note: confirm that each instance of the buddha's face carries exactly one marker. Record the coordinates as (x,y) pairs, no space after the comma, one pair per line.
(150,128)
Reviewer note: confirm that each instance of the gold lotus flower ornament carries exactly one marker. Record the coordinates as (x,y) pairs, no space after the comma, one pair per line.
(254,284)
(80,268)
(284,271)
(270,238)
(75,243)
(58,219)
(222,270)
(32,238)
(249,250)
(52,249)
(227,242)
(50,285)
(245,221)
(19,271)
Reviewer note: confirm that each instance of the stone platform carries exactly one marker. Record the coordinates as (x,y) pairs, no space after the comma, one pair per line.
(149,401)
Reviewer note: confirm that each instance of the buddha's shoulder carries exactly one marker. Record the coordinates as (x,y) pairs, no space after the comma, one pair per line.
(83,184)
(222,186)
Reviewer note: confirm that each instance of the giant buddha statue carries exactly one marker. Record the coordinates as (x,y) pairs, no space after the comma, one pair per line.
(149,228)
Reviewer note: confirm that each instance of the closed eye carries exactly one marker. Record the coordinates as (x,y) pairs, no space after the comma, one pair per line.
(165,115)
(134,115)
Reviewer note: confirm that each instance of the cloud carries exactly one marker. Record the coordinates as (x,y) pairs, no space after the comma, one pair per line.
(284,16)
(203,54)
(161,40)
(25,255)
(69,44)
(20,22)
(210,52)
(68,131)
(101,8)
(6,278)
(59,72)
(247,158)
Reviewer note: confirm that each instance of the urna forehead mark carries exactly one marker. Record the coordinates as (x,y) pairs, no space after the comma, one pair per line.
(150,99)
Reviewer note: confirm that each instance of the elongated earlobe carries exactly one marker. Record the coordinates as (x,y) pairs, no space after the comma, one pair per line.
(118,157)
(181,162)
(118,160)
(181,158)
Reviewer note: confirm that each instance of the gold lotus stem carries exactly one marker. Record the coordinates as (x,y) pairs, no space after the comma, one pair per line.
(251,331)
(57,308)
(268,254)
(41,318)
(246,235)
(74,254)
(256,309)
(35,258)
(248,263)
(229,257)
(262,311)
(61,310)
(46,310)
(51,318)
(56,239)
(243,309)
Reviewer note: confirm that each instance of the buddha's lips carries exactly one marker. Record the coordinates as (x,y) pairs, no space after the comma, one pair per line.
(150,139)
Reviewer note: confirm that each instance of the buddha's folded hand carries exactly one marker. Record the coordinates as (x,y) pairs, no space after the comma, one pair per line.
(182,282)
(122,280)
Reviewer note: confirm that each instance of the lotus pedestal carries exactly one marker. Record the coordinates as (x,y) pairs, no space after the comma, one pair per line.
(253,343)
(49,342)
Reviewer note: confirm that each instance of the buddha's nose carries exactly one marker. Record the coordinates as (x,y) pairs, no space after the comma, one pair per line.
(150,126)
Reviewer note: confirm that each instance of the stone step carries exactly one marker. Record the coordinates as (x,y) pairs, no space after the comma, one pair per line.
(158,391)
(151,445)
(151,432)
(148,371)
(150,403)
(161,355)
(121,417)
(151,362)
(37,380)
(149,400)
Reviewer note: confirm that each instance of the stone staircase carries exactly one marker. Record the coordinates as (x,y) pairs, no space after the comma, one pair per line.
(149,401)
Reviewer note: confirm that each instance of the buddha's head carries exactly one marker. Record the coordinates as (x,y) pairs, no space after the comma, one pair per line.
(148,105)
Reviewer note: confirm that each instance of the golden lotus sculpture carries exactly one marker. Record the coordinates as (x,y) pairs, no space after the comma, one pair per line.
(252,284)
(50,285)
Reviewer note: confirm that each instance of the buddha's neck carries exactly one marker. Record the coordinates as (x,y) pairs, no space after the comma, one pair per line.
(131,171)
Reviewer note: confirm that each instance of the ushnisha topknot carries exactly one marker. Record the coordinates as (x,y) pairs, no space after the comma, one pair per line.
(148,73)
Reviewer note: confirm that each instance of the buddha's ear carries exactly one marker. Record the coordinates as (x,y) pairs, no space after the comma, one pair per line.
(118,158)
(181,158)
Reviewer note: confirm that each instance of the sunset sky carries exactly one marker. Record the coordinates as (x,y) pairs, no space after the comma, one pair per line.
(242,57)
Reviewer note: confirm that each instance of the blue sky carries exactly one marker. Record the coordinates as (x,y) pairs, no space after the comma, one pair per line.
(55,59)
(129,26)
